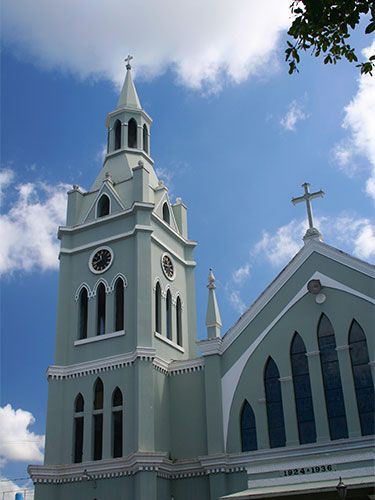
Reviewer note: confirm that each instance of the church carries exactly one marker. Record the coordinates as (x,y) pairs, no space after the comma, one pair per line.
(280,406)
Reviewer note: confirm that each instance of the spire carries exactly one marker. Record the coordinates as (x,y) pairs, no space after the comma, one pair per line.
(213,320)
(129,97)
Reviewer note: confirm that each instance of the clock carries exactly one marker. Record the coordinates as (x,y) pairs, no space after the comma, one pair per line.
(167,266)
(100,260)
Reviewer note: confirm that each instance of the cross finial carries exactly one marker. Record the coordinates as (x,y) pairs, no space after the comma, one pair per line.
(311,232)
(127,60)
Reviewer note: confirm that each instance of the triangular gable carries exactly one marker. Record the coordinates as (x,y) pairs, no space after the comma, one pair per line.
(116,204)
(161,196)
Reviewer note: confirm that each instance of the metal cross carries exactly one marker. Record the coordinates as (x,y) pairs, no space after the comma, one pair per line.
(307,197)
(127,60)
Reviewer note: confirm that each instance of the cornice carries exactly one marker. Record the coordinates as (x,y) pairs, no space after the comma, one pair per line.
(210,346)
(166,226)
(187,366)
(190,263)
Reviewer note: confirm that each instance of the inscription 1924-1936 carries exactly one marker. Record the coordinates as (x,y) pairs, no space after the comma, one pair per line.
(315,469)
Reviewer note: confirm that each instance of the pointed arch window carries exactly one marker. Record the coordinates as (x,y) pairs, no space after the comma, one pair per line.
(117,423)
(117,132)
(83,313)
(158,308)
(363,382)
(101,305)
(132,133)
(332,380)
(179,321)
(166,213)
(98,420)
(145,139)
(78,429)
(274,405)
(168,304)
(248,428)
(104,206)
(302,391)
(119,304)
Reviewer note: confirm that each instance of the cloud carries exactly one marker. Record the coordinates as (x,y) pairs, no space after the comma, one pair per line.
(239,275)
(236,301)
(28,229)
(204,43)
(17,443)
(6,178)
(294,115)
(359,121)
(8,489)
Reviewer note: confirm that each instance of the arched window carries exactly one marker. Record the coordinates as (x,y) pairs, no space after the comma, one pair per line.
(119,305)
(332,380)
(78,429)
(168,303)
(363,383)
(158,308)
(179,321)
(145,139)
(166,214)
(248,428)
(302,391)
(274,404)
(117,415)
(103,206)
(98,420)
(83,314)
(101,300)
(117,131)
(132,133)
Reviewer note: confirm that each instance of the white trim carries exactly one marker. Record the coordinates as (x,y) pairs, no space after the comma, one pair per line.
(99,197)
(173,231)
(113,282)
(79,289)
(95,287)
(188,366)
(106,183)
(106,336)
(169,342)
(106,268)
(170,278)
(210,346)
(172,252)
(115,237)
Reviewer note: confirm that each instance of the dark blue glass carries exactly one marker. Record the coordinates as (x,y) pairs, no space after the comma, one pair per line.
(248,428)
(275,414)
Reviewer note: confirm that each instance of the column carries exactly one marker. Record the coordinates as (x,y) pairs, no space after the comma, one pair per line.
(350,399)
(318,396)
(262,424)
(289,408)
(91,317)
(124,133)
(139,137)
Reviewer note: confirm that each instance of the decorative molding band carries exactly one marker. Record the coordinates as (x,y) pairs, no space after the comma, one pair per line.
(98,338)
(169,342)
(312,354)
(189,366)
(210,346)
(343,348)
(190,263)
(288,378)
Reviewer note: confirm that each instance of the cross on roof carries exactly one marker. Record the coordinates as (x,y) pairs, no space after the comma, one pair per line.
(311,232)
(127,60)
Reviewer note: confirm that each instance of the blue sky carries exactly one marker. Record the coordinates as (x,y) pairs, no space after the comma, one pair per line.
(233,134)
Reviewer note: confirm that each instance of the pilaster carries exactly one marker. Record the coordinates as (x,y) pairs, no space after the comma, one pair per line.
(262,424)
(217,486)
(91,317)
(214,416)
(289,408)
(87,432)
(107,425)
(110,313)
(146,486)
(318,397)
(144,397)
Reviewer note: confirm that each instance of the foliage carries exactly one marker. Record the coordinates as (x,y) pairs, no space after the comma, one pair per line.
(323,26)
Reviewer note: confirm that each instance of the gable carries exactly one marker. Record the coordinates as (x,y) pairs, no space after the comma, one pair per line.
(115,203)
(163,205)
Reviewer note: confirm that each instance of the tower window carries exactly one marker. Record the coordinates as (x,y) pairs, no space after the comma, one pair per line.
(169,314)
(101,300)
(132,133)
(78,429)
(117,425)
(166,214)
(117,129)
(119,305)
(274,404)
(158,308)
(103,206)
(83,313)
(248,429)
(98,420)
(145,139)
(179,321)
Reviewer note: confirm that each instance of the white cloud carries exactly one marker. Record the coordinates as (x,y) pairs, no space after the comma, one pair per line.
(294,115)
(236,301)
(359,121)
(239,275)
(17,443)
(8,489)
(204,42)
(28,230)
(6,178)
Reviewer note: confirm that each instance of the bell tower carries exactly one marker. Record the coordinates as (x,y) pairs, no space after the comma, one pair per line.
(126,311)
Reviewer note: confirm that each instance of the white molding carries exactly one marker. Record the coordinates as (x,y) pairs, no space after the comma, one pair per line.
(210,346)
(113,282)
(92,255)
(98,338)
(173,231)
(79,289)
(115,237)
(95,287)
(169,342)
(96,206)
(191,263)
(166,254)
(108,184)
(186,366)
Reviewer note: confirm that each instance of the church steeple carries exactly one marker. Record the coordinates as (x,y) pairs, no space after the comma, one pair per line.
(129,97)
(213,319)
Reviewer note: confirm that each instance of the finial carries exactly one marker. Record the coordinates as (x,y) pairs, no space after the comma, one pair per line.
(127,60)
(140,163)
(312,232)
(211,280)
(108,177)
(75,187)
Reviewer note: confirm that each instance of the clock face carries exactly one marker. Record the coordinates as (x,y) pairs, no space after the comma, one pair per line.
(168,267)
(101,260)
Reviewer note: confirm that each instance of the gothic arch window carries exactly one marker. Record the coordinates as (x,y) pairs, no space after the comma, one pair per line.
(132,133)
(302,391)
(332,380)
(363,382)
(83,313)
(179,321)
(274,405)
(98,420)
(158,308)
(119,304)
(168,304)
(104,206)
(145,139)
(166,213)
(248,428)
(117,132)
(117,425)
(101,305)
(78,429)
